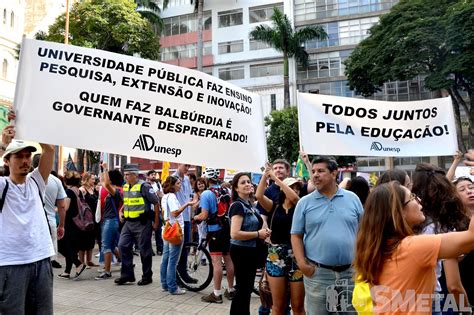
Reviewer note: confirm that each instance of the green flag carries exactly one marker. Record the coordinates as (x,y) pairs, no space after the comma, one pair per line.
(301,170)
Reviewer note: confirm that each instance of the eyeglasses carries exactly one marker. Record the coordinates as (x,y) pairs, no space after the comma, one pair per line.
(412,197)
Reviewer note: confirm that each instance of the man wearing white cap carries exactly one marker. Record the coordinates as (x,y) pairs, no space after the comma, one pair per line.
(26,277)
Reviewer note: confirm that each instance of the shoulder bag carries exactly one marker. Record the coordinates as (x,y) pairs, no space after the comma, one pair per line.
(264,291)
(172,233)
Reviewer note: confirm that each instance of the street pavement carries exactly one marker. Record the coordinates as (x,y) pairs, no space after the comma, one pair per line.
(88,296)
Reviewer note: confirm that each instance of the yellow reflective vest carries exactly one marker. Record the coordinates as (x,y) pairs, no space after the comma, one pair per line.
(133,201)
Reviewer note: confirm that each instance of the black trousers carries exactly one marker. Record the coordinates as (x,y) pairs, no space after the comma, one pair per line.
(139,233)
(68,249)
(245,269)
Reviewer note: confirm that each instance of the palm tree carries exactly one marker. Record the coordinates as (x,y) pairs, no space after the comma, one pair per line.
(150,10)
(284,39)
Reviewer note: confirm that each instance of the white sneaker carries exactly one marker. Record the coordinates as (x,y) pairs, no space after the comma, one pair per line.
(179,291)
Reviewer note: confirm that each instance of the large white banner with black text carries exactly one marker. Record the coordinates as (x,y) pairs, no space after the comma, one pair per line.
(351,126)
(97,100)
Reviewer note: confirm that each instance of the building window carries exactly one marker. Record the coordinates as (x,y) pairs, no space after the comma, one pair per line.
(324,65)
(273,101)
(265,70)
(184,51)
(256,45)
(4,68)
(319,9)
(184,24)
(350,32)
(4,16)
(231,47)
(230,18)
(263,13)
(337,88)
(12,20)
(234,73)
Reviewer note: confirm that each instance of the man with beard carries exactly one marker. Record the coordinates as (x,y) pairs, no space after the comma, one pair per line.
(26,276)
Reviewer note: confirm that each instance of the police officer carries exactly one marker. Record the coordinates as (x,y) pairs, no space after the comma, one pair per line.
(138,196)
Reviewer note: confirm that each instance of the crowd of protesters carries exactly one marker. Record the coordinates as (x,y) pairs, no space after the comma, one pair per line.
(314,240)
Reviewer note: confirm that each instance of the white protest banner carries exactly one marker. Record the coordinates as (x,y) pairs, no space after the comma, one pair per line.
(333,125)
(97,100)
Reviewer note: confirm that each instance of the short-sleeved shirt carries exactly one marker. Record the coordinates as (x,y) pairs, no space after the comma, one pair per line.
(208,201)
(410,270)
(170,203)
(24,230)
(329,226)
(149,195)
(251,221)
(272,192)
(185,194)
(112,205)
(54,191)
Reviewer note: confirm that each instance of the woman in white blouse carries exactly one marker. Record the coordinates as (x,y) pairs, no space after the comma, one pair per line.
(172,212)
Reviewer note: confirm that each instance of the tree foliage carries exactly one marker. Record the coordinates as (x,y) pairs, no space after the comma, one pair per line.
(112,25)
(430,38)
(284,39)
(282,134)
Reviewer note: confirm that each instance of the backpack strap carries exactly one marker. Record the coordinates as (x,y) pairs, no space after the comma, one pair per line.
(4,194)
(42,202)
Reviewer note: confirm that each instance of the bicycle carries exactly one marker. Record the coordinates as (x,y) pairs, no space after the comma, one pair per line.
(194,267)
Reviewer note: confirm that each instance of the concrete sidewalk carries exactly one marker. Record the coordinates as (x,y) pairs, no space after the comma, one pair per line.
(88,296)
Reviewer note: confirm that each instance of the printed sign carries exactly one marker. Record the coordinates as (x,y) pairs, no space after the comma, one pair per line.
(97,100)
(335,125)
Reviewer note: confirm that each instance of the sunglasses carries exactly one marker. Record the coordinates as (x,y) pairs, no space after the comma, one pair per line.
(412,197)
(462,178)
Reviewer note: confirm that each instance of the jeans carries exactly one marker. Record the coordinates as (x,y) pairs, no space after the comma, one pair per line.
(245,269)
(110,235)
(329,292)
(27,289)
(184,253)
(169,262)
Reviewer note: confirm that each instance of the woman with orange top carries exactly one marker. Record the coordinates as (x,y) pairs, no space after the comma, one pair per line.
(397,264)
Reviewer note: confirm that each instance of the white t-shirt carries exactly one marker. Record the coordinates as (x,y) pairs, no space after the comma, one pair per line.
(170,203)
(24,230)
(54,191)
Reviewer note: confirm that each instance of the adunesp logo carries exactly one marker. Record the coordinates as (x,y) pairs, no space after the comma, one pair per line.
(147,143)
(377,146)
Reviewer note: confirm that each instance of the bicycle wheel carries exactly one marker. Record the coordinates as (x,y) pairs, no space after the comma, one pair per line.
(196,270)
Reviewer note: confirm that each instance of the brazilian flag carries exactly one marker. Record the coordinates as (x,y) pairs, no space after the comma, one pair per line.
(301,170)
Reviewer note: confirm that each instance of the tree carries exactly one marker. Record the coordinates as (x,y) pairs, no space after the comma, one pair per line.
(284,39)
(421,37)
(112,25)
(282,136)
(151,11)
